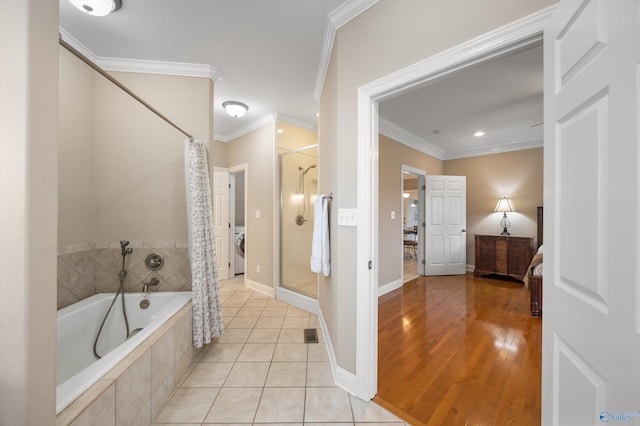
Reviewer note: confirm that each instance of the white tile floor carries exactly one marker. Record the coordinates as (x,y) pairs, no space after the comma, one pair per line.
(261,371)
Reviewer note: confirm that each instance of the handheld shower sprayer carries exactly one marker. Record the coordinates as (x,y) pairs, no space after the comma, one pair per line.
(123,247)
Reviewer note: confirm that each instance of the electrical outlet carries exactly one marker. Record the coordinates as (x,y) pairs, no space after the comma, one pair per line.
(258,269)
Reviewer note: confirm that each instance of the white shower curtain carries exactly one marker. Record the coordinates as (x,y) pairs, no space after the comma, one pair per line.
(207,310)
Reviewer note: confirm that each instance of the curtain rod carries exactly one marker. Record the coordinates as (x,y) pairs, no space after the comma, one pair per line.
(117,83)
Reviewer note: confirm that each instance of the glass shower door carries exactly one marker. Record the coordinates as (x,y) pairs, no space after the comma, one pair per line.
(298,191)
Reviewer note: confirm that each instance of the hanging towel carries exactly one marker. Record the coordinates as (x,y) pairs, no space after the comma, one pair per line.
(207,309)
(320,248)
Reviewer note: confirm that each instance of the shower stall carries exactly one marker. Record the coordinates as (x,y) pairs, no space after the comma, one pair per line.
(298,191)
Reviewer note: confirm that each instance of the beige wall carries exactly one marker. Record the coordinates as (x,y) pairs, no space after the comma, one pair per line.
(257,149)
(218,153)
(393,156)
(517,175)
(294,137)
(122,167)
(28,210)
(389,36)
(76,207)
(139,167)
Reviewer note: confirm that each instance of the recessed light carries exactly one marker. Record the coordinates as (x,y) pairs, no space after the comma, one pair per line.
(478,133)
(280,131)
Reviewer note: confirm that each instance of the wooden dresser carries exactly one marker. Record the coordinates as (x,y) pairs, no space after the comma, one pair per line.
(503,254)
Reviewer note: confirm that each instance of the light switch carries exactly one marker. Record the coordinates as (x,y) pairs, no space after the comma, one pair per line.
(347,217)
(257,214)
(393,215)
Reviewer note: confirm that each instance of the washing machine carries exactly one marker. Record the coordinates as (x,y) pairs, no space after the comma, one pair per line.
(239,251)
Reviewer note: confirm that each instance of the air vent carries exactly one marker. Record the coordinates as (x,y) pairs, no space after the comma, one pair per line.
(310,335)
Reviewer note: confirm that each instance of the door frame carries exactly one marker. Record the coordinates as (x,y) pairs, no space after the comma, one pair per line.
(244,167)
(509,38)
(420,174)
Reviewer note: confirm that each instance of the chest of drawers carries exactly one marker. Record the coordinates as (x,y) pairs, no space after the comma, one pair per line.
(506,255)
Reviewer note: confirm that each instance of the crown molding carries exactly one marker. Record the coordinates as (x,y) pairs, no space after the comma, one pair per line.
(255,125)
(403,136)
(159,67)
(494,149)
(143,66)
(337,18)
(76,44)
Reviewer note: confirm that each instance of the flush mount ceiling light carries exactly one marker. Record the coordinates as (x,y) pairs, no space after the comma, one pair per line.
(97,7)
(478,133)
(235,109)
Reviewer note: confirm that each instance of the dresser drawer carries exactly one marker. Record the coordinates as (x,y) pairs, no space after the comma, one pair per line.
(487,243)
(486,264)
(517,245)
(518,268)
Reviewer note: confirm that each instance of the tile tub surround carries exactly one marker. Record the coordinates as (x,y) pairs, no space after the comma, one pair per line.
(260,371)
(136,389)
(87,269)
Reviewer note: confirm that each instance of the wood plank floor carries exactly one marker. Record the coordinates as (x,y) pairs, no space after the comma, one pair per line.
(459,350)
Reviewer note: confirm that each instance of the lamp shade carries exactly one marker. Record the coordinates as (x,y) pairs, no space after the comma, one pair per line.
(97,7)
(235,109)
(504,205)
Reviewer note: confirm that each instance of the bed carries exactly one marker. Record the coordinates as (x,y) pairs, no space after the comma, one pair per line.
(533,279)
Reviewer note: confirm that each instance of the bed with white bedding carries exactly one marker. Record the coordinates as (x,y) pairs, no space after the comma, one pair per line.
(533,279)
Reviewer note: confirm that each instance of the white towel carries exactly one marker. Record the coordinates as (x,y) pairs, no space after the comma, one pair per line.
(320,248)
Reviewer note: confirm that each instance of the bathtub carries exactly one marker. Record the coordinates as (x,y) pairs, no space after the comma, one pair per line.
(77,368)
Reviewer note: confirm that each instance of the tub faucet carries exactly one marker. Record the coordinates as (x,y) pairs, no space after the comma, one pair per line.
(151,283)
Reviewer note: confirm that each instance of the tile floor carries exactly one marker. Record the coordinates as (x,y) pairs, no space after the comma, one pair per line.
(261,371)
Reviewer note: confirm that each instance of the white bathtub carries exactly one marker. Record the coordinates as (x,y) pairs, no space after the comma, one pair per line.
(78,324)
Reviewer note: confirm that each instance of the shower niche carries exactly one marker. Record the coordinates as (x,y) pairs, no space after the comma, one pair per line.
(298,192)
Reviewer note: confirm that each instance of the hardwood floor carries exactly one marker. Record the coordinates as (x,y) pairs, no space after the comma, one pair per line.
(459,350)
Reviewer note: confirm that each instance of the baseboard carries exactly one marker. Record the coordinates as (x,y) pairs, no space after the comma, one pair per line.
(389,287)
(298,300)
(261,288)
(342,378)
(471,268)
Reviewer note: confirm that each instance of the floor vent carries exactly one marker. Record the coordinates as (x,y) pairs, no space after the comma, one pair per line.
(310,335)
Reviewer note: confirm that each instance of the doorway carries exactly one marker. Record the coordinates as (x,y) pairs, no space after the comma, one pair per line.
(238,247)
(412,219)
(298,191)
(518,35)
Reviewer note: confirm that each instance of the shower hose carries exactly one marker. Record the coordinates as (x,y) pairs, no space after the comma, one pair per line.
(123,273)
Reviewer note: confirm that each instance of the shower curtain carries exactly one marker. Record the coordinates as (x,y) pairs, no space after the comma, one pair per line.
(207,310)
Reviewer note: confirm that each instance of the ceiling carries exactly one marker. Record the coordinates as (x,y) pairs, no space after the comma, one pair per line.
(502,97)
(267,52)
(270,53)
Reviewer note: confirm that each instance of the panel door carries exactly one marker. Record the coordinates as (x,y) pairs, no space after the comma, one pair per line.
(221,224)
(591,346)
(446,219)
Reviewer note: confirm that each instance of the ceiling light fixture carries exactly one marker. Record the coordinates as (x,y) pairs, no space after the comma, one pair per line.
(478,133)
(97,7)
(235,109)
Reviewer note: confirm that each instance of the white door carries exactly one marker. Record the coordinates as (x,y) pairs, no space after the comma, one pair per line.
(221,225)
(446,219)
(591,344)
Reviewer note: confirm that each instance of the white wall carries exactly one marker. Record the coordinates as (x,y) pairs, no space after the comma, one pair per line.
(28,210)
